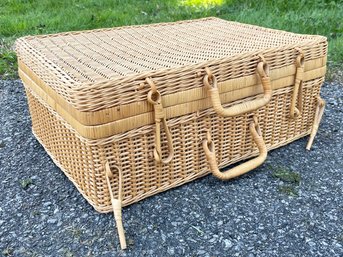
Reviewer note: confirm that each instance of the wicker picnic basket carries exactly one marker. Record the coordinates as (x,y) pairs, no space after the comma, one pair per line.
(129,112)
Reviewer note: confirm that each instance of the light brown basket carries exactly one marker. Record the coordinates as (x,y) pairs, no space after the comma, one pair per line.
(130,112)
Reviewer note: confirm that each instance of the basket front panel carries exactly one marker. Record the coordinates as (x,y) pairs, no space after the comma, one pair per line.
(83,160)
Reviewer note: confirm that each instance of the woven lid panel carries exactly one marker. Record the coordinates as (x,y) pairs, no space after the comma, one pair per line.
(72,63)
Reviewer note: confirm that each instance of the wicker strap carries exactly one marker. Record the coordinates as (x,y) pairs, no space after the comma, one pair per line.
(154,97)
(297,92)
(246,106)
(317,118)
(209,149)
(116,203)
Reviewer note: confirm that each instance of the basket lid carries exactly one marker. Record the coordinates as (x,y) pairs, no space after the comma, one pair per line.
(102,71)
(105,54)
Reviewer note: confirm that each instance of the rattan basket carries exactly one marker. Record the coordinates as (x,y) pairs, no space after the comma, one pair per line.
(129,112)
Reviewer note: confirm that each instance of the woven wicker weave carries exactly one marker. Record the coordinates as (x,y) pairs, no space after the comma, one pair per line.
(163,104)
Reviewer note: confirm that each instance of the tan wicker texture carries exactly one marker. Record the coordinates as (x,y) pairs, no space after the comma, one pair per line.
(100,69)
(83,160)
(130,112)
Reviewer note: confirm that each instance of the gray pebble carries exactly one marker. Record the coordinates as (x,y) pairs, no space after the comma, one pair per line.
(227,243)
(52,221)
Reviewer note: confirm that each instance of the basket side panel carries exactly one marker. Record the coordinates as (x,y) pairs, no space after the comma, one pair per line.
(83,160)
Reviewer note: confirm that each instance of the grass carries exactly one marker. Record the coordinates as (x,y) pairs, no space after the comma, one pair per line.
(28,17)
(286,175)
(288,190)
(75,231)
(25,183)
(290,180)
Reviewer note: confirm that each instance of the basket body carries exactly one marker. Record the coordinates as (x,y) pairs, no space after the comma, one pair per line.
(86,118)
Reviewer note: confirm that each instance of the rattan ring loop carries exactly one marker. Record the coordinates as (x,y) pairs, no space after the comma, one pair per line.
(151,84)
(207,81)
(300,61)
(154,97)
(263,69)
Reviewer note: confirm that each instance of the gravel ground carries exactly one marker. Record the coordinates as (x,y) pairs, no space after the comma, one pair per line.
(259,214)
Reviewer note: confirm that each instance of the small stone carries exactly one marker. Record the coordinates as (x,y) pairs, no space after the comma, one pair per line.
(171,250)
(312,244)
(212,240)
(46,204)
(227,243)
(163,236)
(52,221)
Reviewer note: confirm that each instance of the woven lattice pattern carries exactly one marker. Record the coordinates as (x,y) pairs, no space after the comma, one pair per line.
(83,160)
(99,69)
(152,101)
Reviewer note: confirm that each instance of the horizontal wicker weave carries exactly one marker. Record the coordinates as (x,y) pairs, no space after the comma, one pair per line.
(130,112)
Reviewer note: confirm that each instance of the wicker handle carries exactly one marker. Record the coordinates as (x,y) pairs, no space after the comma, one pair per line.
(247,106)
(242,168)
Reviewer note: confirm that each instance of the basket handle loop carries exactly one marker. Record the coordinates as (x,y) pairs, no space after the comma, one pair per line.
(210,82)
(297,91)
(243,168)
(317,118)
(116,203)
(154,97)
